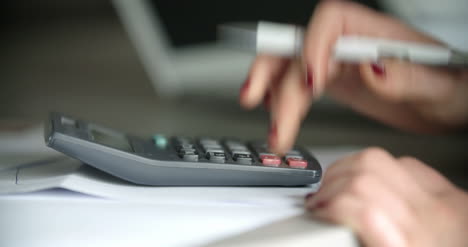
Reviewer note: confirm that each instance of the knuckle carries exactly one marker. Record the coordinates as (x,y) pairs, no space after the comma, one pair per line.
(396,72)
(330,11)
(360,184)
(331,7)
(445,211)
(445,91)
(369,215)
(368,157)
(408,160)
(338,204)
(448,91)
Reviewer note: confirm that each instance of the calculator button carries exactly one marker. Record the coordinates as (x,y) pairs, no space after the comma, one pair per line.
(184,146)
(190,157)
(240,152)
(296,163)
(160,141)
(219,157)
(68,121)
(270,160)
(242,158)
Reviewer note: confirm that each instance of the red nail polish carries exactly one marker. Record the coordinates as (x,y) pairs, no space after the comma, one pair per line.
(267,101)
(378,69)
(309,77)
(321,204)
(272,136)
(244,88)
(309,195)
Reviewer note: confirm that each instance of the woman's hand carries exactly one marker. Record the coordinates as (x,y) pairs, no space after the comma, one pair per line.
(408,96)
(392,202)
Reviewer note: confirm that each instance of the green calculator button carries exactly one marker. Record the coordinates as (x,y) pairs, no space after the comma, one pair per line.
(160,141)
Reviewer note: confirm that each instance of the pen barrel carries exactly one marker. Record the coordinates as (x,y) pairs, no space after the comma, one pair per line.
(356,48)
(287,40)
(279,39)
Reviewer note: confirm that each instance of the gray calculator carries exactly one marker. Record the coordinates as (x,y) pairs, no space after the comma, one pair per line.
(177,160)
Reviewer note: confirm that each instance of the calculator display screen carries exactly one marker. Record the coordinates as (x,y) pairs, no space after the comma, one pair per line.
(110,138)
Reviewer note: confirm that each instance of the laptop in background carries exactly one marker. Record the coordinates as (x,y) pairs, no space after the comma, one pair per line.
(176,40)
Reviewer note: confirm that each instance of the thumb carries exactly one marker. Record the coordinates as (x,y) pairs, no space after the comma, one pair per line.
(399,81)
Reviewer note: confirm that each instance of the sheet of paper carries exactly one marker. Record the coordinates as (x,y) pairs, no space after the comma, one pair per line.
(298,231)
(49,220)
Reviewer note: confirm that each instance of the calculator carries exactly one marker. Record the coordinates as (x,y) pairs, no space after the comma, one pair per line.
(178,160)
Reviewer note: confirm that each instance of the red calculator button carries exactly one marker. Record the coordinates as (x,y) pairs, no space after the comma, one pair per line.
(297,163)
(270,160)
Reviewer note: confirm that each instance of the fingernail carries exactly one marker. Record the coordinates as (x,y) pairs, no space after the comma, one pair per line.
(244,87)
(309,195)
(309,77)
(273,135)
(320,205)
(378,69)
(267,101)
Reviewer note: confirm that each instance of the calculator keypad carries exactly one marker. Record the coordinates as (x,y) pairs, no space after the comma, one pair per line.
(231,151)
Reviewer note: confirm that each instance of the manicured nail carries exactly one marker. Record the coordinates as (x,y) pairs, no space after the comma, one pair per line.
(309,195)
(273,136)
(309,77)
(267,101)
(378,69)
(244,87)
(320,205)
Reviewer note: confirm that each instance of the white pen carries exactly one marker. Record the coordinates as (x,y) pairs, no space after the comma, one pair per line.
(287,40)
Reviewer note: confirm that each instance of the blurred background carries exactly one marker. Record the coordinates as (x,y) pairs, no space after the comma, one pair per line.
(148,67)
